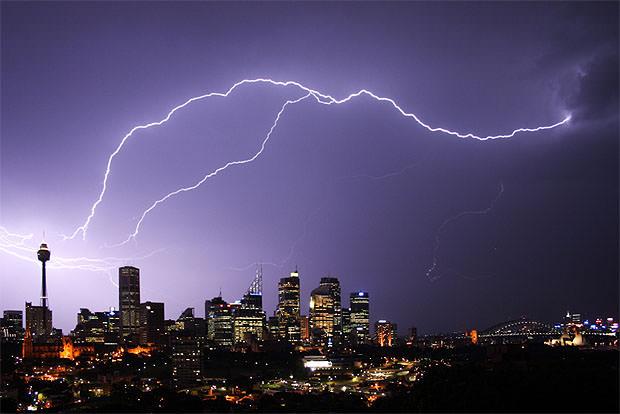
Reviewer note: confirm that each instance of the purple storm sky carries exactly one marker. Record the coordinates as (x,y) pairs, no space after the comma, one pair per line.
(355,190)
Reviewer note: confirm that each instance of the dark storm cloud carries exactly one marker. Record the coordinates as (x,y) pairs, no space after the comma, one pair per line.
(581,59)
(576,32)
(593,95)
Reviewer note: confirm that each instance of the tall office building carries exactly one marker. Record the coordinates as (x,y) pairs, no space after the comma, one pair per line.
(288,308)
(385,333)
(152,329)
(333,284)
(187,341)
(346,323)
(112,326)
(129,301)
(219,321)
(321,315)
(253,298)
(38,321)
(359,305)
(326,312)
(249,318)
(248,325)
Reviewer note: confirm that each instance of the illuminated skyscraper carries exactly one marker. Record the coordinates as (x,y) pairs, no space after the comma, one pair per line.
(219,320)
(333,285)
(385,333)
(248,324)
(288,308)
(129,301)
(346,324)
(152,328)
(38,321)
(326,312)
(321,314)
(359,317)
(249,318)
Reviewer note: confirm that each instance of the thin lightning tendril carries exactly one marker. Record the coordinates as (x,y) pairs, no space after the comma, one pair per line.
(14,245)
(432,269)
(291,251)
(320,98)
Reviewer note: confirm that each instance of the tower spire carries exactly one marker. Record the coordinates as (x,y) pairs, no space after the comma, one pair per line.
(256,287)
(43,255)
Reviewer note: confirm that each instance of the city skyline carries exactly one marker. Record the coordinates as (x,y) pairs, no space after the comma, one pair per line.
(238,358)
(446,233)
(326,313)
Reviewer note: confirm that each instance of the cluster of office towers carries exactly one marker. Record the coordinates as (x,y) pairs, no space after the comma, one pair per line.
(239,325)
(224,325)
(244,322)
(327,323)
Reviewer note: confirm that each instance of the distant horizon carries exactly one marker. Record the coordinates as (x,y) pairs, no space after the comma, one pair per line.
(401,330)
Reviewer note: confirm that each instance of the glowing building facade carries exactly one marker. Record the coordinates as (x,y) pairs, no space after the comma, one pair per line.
(289,328)
(333,286)
(38,321)
(326,312)
(248,317)
(97,327)
(321,314)
(385,333)
(359,312)
(219,320)
(129,301)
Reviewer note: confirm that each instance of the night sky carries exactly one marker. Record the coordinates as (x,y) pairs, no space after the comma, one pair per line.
(355,191)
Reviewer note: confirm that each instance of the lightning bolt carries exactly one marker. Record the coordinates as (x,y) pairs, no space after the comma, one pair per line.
(15,245)
(13,239)
(320,98)
(433,267)
(214,172)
